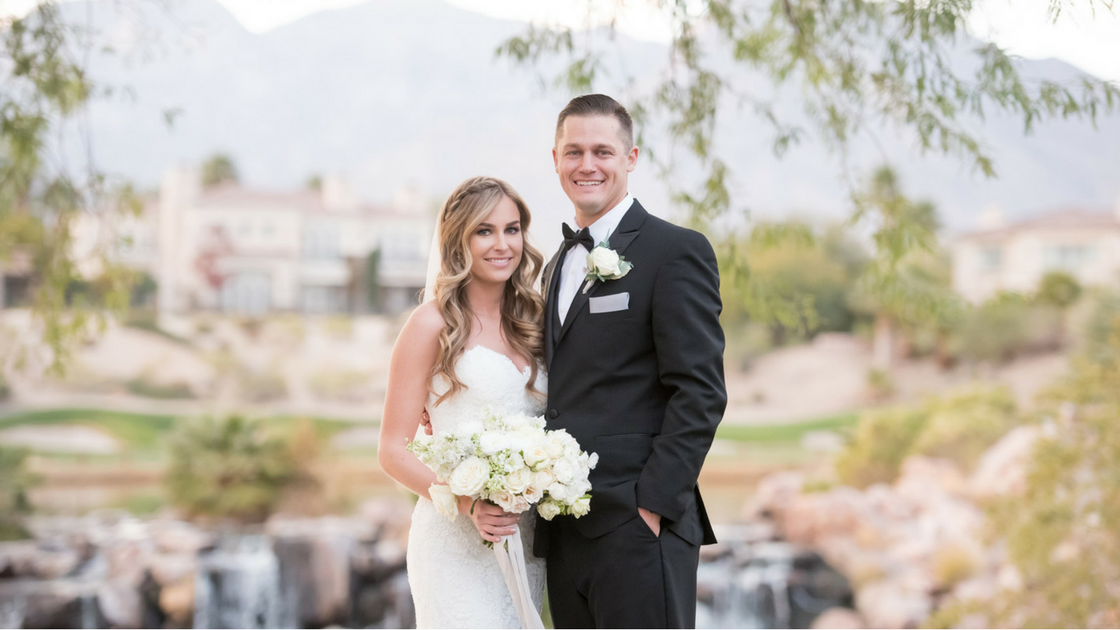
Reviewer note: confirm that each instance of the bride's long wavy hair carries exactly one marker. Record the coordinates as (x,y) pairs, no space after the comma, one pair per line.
(522,306)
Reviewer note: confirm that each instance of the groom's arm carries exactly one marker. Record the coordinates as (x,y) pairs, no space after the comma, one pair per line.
(688,340)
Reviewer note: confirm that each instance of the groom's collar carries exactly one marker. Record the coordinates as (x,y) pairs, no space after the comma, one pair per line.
(606,225)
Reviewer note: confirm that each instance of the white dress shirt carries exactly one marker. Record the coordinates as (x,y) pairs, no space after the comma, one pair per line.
(573,271)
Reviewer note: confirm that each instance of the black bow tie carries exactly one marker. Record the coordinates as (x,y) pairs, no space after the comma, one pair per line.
(582,237)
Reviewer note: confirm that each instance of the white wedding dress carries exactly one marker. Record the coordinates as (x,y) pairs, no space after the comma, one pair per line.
(455,579)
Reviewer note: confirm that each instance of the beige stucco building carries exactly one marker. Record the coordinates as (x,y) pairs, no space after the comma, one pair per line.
(1015,256)
(238,250)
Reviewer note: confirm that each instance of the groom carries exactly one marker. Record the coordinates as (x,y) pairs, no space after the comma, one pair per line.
(635,368)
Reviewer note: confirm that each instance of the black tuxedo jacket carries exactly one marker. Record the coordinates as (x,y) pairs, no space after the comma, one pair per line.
(642,386)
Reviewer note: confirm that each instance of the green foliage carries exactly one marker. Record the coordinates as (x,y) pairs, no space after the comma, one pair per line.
(217,169)
(146,387)
(1007,326)
(15,481)
(228,468)
(881,442)
(854,63)
(959,427)
(790,433)
(5,390)
(908,279)
(1058,289)
(963,426)
(373,280)
(1104,315)
(793,281)
(41,202)
(1063,534)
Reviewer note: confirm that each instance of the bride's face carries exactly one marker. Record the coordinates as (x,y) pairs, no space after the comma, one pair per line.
(496,244)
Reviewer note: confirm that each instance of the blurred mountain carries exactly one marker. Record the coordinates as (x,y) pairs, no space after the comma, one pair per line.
(409,92)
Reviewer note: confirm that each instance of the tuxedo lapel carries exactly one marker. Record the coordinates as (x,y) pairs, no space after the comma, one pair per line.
(625,234)
(551,280)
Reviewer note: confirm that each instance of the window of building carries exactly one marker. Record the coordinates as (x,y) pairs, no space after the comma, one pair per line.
(991,259)
(1067,257)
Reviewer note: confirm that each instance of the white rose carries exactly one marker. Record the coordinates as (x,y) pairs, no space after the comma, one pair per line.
(555,446)
(535,454)
(520,504)
(564,470)
(581,506)
(592,461)
(604,261)
(560,492)
(543,479)
(491,442)
(548,510)
(503,499)
(534,493)
(518,480)
(444,500)
(469,477)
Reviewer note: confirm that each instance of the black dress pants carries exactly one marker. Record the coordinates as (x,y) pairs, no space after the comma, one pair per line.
(628,578)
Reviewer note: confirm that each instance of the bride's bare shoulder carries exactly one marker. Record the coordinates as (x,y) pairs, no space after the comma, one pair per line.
(423,325)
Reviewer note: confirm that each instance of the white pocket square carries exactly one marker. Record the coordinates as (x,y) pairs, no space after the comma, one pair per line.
(609,303)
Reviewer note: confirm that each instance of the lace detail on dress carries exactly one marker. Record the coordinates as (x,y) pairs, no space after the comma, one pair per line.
(455,579)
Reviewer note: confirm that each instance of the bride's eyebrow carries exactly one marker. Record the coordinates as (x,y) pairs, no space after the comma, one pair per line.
(490,225)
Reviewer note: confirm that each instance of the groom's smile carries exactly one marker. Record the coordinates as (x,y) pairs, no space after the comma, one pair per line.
(593,159)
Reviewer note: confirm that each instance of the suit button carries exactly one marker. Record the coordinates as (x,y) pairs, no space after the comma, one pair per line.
(552,414)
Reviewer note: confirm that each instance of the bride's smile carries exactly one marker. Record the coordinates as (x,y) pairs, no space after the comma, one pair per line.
(496,244)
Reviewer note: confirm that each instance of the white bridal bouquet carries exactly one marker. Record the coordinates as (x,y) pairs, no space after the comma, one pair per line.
(511,461)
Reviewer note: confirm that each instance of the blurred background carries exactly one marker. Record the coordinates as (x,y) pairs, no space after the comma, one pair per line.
(215,217)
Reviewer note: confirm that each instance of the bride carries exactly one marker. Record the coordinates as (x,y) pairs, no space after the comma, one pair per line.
(478,343)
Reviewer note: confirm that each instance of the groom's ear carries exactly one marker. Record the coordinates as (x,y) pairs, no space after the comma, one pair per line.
(631,158)
(555,162)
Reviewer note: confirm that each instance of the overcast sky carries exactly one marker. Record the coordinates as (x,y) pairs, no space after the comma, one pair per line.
(1088,36)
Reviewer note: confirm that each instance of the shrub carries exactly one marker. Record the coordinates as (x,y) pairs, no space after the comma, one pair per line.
(261,387)
(961,427)
(146,387)
(882,440)
(228,467)
(15,481)
(1058,288)
(1008,326)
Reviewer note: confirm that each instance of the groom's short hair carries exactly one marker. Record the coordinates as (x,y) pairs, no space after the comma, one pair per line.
(598,105)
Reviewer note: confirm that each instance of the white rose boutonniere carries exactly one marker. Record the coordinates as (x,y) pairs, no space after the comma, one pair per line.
(603,263)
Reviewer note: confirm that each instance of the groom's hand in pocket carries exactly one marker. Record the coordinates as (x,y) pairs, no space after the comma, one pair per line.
(652,519)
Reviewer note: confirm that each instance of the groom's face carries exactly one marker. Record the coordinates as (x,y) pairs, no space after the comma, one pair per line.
(593,161)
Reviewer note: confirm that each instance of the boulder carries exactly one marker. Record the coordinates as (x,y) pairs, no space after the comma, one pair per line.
(176,600)
(17,559)
(920,476)
(50,564)
(315,570)
(168,568)
(121,603)
(841,618)
(889,604)
(128,560)
(1002,469)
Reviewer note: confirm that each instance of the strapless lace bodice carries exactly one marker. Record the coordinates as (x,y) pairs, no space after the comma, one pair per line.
(492,380)
(455,579)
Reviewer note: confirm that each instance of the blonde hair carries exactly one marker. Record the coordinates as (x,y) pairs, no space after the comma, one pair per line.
(522,307)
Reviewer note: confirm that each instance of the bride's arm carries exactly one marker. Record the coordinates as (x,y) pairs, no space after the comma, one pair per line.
(414,355)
